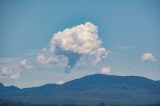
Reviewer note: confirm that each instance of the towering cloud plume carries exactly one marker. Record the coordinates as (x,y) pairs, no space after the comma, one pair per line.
(73,43)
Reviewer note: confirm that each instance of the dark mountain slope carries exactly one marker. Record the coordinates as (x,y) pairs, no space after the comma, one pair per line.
(41,89)
(110,81)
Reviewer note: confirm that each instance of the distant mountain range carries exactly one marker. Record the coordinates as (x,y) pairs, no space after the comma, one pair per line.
(89,90)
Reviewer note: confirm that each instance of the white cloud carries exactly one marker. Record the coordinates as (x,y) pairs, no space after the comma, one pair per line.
(105,70)
(25,64)
(99,54)
(45,57)
(148,57)
(12,69)
(7,70)
(78,40)
(60,82)
(81,39)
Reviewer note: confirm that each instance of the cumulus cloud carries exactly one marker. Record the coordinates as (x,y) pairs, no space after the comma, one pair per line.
(12,69)
(148,57)
(73,43)
(105,70)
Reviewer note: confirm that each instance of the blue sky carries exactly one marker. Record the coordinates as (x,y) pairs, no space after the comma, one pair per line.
(127,28)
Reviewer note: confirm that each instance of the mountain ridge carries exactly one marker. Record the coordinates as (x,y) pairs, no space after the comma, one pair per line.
(1,84)
(90,89)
